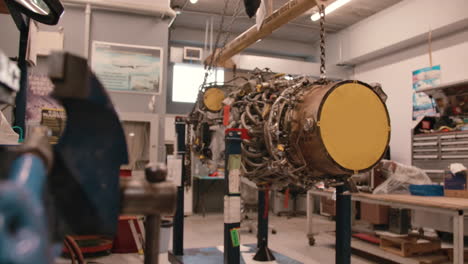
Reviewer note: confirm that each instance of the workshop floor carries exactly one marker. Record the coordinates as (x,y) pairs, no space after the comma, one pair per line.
(290,240)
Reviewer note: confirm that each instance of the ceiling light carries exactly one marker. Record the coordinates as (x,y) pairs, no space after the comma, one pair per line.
(330,8)
(193,1)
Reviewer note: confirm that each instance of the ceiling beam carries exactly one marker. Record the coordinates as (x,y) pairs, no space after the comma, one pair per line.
(286,13)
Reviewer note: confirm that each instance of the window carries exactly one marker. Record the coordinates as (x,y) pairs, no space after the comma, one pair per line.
(186,80)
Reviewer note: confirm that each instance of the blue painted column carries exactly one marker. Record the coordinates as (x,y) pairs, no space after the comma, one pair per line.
(20,101)
(343,226)
(178,230)
(232,214)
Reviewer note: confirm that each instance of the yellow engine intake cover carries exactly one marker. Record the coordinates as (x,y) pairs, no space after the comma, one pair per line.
(354,126)
(213,99)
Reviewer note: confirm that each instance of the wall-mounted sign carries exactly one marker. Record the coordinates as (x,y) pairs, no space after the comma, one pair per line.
(128,68)
(423,105)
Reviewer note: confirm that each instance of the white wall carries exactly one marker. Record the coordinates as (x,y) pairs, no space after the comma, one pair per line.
(398,27)
(394,72)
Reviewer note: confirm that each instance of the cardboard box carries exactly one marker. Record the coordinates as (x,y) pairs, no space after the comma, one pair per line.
(455,185)
(374,213)
(327,206)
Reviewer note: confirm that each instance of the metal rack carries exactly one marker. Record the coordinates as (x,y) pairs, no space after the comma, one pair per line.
(435,152)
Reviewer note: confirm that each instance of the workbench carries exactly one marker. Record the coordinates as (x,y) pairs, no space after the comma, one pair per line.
(457,208)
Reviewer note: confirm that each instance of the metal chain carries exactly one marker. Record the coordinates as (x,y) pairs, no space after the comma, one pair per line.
(323,71)
(218,36)
(229,30)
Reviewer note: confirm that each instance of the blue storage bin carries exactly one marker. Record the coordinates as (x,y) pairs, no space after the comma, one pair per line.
(426,190)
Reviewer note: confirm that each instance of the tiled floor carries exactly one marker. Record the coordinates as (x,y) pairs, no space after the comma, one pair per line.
(290,240)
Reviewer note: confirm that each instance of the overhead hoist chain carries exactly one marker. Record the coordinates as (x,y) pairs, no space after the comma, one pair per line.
(323,71)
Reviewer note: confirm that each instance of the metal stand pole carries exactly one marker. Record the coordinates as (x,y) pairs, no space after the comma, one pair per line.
(152,243)
(232,214)
(262,234)
(343,226)
(263,253)
(20,103)
(178,231)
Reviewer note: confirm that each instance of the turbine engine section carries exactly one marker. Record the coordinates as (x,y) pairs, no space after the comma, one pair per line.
(326,132)
(301,131)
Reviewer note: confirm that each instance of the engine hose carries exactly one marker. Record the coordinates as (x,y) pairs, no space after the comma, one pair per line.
(244,124)
(252,143)
(250,116)
(253,164)
(257,108)
(252,154)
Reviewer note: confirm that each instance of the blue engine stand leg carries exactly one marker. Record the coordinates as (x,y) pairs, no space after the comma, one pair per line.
(343,226)
(232,197)
(263,253)
(262,233)
(178,231)
(20,103)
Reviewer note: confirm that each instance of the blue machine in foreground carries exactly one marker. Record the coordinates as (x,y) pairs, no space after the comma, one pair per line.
(74,187)
(70,188)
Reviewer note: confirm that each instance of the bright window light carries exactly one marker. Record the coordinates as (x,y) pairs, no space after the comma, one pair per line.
(193,1)
(330,8)
(186,80)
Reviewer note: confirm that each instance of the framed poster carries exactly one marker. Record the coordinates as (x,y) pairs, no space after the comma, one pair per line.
(423,105)
(128,68)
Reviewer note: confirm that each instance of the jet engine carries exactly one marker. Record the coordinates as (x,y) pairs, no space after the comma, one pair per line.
(300,130)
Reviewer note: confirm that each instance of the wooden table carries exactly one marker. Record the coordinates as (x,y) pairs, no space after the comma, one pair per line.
(457,208)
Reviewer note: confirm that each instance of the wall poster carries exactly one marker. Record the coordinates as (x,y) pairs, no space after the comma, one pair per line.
(38,96)
(423,105)
(128,68)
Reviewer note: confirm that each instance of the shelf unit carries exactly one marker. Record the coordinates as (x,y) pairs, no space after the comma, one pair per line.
(434,152)
(449,89)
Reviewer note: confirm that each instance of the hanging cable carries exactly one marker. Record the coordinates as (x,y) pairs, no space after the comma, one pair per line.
(229,30)
(218,36)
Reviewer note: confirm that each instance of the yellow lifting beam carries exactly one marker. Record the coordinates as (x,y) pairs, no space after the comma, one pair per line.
(288,12)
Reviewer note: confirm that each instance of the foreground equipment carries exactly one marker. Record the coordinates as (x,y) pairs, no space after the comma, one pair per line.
(73,187)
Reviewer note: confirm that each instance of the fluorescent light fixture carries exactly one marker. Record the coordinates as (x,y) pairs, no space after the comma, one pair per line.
(193,1)
(330,8)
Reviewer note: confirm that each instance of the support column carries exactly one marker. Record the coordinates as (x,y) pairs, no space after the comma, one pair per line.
(343,226)
(262,234)
(178,230)
(232,214)
(20,103)
(263,252)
